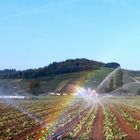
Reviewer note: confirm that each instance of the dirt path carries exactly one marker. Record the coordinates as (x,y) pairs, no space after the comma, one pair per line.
(131,133)
(98,127)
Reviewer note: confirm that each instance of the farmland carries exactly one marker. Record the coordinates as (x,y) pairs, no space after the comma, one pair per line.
(90,78)
(70,118)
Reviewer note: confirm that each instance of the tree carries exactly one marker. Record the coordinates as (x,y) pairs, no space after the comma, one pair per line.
(111,84)
(68,66)
(34,87)
(119,79)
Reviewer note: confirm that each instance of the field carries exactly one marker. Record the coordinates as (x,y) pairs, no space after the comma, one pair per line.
(52,83)
(70,118)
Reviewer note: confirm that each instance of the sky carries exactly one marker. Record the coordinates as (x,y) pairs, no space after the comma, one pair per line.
(34,33)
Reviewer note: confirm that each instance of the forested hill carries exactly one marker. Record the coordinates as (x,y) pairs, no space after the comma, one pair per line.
(55,68)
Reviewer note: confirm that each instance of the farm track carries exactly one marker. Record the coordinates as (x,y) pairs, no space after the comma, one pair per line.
(131,133)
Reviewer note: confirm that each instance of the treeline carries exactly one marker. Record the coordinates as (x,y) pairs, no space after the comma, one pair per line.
(68,66)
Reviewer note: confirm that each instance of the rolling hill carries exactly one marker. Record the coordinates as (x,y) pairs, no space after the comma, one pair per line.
(79,72)
(57,83)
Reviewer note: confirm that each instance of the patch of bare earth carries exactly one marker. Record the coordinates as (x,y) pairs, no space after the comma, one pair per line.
(98,126)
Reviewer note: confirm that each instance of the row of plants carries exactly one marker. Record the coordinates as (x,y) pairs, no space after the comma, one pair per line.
(135,124)
(50,121)
(111,128)
(83,119)
(48,124)
(88,126)
(65,118)
(26,122)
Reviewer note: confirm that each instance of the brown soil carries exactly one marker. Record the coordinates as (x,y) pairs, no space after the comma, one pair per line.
(84,126)
(131,112)
(131,133)
(67,128)
(98,126)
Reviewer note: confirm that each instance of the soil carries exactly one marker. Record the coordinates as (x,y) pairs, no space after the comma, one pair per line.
(131,133)
(98,126)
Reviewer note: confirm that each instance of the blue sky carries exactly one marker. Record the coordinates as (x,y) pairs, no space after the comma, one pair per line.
(34,33)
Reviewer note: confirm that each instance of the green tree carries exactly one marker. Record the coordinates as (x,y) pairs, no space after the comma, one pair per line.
(119,79)
(111,84)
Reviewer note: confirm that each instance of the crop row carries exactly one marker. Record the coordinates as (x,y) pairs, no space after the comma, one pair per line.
(135,124)
(111,128)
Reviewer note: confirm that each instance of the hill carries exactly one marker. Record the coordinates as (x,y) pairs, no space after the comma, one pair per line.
(62,77)
(64,67)
(65,83)
(55,83)
(132,73)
